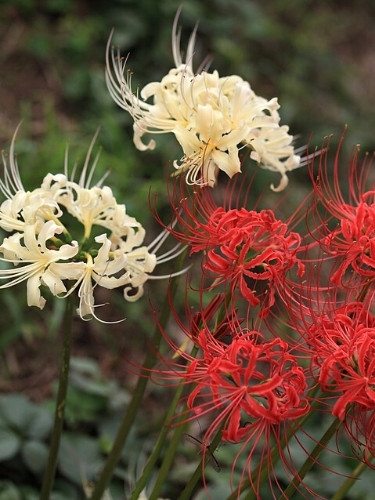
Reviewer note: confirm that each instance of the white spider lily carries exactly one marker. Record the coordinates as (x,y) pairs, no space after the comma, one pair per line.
(28,208)
(95,206)
(43,252)
(29,252)
(112,270)
(212,117)
(20,206)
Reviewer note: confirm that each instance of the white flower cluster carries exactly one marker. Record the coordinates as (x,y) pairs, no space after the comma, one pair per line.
(42,249)
(212,117)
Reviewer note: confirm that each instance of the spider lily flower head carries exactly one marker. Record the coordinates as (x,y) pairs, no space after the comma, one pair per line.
(249,389)
(340,342)
(343,356)
(347,234)
(353,241)
(248,251)
(261,379)
(252,247)
(67,235)
(212,117)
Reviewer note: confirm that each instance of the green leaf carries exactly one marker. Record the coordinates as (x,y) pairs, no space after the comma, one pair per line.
(40,424)
(35,454)
(8,491)
(94,387)
(82,406)
(17,411)
(63,490)
(25,417)
(29,493)
(85,365)
(10,443)
(79,457)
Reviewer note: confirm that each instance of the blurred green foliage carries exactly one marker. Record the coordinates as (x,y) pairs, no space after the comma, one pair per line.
(94,405)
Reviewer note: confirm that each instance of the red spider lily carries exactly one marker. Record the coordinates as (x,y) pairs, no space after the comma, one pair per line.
(248,250)
(343,351)
(248,246)
(352,242)
(249,390)
(246,381)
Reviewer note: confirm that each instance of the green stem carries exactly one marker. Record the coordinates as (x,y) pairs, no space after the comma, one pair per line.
(348,483)
(173,444)
(311,460)
(132,409)
(130,414)
(191,486)
(167,461)
(149,467)
(50,471)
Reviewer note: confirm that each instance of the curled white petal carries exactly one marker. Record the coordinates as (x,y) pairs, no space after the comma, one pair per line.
(273,150)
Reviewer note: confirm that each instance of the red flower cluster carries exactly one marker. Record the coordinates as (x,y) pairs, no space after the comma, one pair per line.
(249,389)
(343,350)
(247,250)
(335,316)
(353,242)
(252,386)
(246,381)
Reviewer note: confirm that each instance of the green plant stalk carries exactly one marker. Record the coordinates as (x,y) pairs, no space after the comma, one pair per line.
(311,459)
(167,461)
(173,444)
(191,485)
(149,467)
(49,473)
(348,483)
(138,393)
(130,414)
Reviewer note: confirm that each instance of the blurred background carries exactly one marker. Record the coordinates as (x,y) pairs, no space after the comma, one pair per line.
(317,57)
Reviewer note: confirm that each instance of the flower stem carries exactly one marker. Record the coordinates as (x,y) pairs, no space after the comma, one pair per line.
(191,485)
(149,467)
(167,461)
(348,483)
(131,412)
(173,444)
(311,460)
(50,471)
